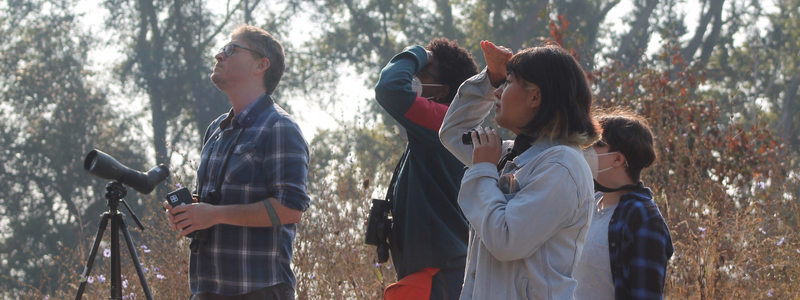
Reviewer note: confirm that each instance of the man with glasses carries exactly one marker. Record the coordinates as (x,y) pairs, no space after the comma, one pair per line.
(428,242)
(251,183)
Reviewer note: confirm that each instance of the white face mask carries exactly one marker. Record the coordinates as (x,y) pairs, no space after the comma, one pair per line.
(417,85)
(591,157)
(604,154)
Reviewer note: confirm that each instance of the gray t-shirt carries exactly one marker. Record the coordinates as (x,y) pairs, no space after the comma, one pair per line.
(593,272)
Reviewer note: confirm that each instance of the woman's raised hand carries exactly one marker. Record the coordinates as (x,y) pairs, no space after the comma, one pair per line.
(496,59)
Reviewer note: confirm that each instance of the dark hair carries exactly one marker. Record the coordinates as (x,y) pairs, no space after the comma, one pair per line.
(259,39)
(566,100)
(629,133)
(455,64)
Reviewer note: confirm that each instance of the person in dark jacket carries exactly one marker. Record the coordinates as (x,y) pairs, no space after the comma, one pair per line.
(429,231)
(628,244)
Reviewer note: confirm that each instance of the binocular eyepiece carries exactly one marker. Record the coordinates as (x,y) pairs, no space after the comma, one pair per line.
(104,166)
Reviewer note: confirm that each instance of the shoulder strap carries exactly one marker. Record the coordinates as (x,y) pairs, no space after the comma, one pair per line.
(226,159)
(392,183)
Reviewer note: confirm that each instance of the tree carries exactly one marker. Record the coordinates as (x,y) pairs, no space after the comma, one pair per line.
(712,10)
(52,117)
(756,74)
(171,45)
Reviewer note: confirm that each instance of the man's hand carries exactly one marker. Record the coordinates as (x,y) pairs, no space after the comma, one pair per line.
(190,218)
(496,59)
(168,213)
(489,148)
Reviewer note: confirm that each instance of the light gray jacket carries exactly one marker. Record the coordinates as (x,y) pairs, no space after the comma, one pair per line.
(525,238)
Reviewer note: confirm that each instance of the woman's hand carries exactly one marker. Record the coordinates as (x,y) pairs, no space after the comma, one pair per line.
(496,59)
(487,148)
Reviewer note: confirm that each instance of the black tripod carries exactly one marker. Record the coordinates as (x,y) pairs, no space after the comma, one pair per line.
(114,194)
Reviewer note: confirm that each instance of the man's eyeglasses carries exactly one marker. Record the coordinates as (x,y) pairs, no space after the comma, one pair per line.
(229,49)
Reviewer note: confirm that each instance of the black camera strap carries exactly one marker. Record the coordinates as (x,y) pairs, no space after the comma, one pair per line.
(202,235)
(390,190)
(221,173)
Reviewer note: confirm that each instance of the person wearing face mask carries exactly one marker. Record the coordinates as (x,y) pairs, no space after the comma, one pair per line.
(428,241)
(528,201)
(628,245)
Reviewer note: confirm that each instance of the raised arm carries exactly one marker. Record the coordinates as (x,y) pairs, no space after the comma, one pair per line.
(472,104)
(474,101)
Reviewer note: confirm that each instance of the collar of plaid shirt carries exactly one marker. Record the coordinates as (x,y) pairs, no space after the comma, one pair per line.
(248,116)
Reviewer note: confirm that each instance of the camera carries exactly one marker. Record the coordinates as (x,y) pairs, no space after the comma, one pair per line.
(181,196)
(379,226)
(466,137)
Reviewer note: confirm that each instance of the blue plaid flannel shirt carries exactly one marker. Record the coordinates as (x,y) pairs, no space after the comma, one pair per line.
(270,161)
(640,246)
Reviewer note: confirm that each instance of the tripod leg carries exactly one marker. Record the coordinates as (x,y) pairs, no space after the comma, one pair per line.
(92,254)
(124,227)
(115,280)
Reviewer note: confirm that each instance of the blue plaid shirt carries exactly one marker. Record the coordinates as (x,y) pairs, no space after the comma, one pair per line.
(270,160)
(640,246)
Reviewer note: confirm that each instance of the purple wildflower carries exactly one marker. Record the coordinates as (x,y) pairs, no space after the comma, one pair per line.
(781,241)
(91,279)
(769,294)
(701,229)
(101,278)
(107,253)
(159,276)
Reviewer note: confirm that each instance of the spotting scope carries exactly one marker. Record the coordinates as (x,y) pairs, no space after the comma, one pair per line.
(104,166)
